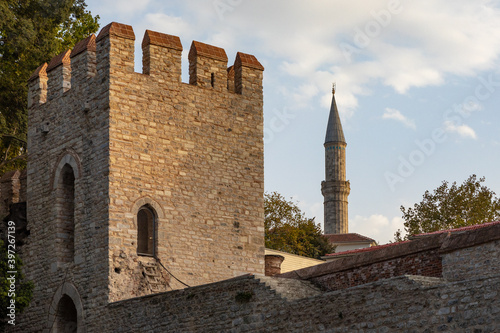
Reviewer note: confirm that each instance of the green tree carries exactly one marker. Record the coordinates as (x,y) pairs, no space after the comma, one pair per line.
(288,230)
(13,285)
(31,32)
(451,207)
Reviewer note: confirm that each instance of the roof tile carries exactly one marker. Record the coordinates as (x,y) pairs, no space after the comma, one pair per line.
(62,58)
(249,60)
(117,29)
(159,39)
(83,45)
(40,71)
(206,50)
(348,238)
(366,249)
(470,227)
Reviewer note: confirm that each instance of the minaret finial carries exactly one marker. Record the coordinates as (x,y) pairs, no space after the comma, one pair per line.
(334,85)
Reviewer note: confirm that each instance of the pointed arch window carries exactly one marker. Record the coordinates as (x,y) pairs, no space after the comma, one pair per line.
(146,231)
(65,201)
(67,317)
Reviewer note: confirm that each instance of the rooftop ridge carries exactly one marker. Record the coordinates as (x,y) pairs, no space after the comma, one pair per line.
(87,44)
(466,228)
(361,238)
(366,249)
(40,71)
(61,58)
(248,60)
(161,39)
(207,50)
(116,29)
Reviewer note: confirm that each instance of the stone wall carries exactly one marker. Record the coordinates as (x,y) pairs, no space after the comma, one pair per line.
(454,256)
(401,304)
(467,254)
(68,140)
(468,302)
(12,190)
(191,152)
(105,141)
(419,257)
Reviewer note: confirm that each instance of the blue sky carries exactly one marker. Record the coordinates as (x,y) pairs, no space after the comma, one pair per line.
(418,90)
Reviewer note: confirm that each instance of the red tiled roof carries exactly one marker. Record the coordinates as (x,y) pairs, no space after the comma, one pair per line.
(470,227)
(116,29)
(160,39)
(206,50)
(378,247)
(347,238)
(61,58)
(248,60)
(367,249)
(40,71)
(83,45)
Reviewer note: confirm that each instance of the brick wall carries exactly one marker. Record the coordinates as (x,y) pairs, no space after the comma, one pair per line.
(418,257)
(422,263)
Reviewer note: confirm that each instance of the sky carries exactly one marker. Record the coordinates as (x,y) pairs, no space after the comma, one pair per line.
(417,88)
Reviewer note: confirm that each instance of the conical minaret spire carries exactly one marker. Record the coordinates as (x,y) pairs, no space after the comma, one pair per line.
(335,188)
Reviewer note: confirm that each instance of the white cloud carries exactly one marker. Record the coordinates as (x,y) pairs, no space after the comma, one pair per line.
(462,130)
(417,44)
(376,226)
(401,44)
(169,24)
(396,115)
(126,8)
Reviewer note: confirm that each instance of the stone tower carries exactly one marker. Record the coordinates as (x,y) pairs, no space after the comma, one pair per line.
(335,188)
(138,181)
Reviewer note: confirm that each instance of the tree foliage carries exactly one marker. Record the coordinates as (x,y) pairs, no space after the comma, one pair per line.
(288,230)
(31,32)
(449,207)
(10,272)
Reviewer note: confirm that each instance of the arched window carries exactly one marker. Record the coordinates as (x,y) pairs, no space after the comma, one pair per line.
(66,317)
(66,311)
(146,231)
(65,201)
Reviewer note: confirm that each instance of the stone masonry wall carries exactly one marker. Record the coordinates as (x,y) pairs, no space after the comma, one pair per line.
(407,303)
(401,304)
(424,264)
(468,254)
(120,140)
(194,154)
(418,257)
(12,190)
(466,263)
(67,127)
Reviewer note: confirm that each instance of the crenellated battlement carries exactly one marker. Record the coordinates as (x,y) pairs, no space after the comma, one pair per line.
(112,53)
(126,169)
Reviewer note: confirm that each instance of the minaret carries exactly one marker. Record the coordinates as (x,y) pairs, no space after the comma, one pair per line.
(335,188)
